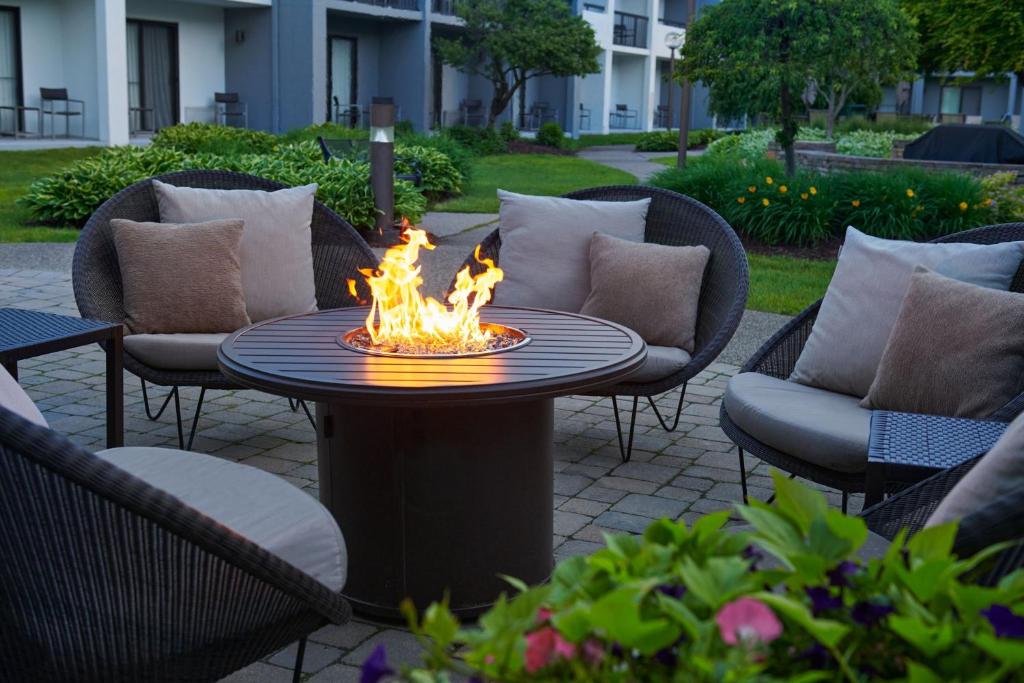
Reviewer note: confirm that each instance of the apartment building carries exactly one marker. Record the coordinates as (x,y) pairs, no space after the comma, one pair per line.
(946,98)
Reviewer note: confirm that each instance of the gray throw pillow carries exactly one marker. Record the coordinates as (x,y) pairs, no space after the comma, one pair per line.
(652,289)
(864,297)
(545,246)
(1000,473)
(956,350)
(181,278)
(277,252)
(14,399)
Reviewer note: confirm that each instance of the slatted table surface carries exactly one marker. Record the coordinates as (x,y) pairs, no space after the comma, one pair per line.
(300,356)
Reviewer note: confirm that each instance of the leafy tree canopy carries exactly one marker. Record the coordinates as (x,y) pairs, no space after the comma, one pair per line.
(982,36)
(509,42)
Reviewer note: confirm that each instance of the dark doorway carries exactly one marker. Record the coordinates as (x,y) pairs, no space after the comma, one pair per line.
(342,93)
(152,74)
(10,66)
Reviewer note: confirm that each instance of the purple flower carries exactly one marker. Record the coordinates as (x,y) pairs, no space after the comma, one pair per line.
(376,666)
(822,599)
(1005,622)
(839,575)
(870,613)
(676,591)
(817,656)
(753,554)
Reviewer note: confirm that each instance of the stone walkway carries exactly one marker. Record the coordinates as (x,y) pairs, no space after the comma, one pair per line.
(681,475)
(625,159)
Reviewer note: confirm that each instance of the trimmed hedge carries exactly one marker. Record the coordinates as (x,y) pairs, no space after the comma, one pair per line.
(757,198)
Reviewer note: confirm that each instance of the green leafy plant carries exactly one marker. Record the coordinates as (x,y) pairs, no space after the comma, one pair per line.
(551,135)
(658,141)
(508,131)
(481,141)
(787,598)
(869,143)
(1005,196)
(193,138)
(441,177)
(911,126)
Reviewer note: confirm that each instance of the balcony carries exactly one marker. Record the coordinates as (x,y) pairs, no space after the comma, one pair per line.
(678,23)
(630,30)
(413,5)
(446,7)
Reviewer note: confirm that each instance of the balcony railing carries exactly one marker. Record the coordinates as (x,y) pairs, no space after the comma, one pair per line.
(630,30)
(595,7)
(443,7)
(413,5)
(678,23)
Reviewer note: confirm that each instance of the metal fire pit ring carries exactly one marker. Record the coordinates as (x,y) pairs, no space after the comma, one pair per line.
(345,340)
(439,471)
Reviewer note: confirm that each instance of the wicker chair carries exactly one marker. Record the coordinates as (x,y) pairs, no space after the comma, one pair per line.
(106,578)
(338,253)
(676,220)
(778,356)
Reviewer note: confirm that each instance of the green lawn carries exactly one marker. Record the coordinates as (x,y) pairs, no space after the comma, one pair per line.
(780,284)
(542,174)
(17,171)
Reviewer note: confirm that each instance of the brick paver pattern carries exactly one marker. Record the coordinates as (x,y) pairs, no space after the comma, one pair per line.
(681,475)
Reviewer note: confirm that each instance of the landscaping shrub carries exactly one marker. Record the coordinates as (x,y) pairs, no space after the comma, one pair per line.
(747,145)
(508,132)
(787,599)
(73,194)
(481,141)
(756,198)
(658,141)
(441,177)
(550,135)
(1007,198)
(193,138)
(869,143)
(909,126)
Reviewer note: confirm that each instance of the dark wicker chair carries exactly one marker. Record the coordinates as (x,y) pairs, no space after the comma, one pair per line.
(988,524)
(676,220)
(777,358)
(106,578)
(338,253)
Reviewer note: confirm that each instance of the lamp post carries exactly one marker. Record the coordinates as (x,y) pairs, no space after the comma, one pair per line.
(673,41)
(382,161)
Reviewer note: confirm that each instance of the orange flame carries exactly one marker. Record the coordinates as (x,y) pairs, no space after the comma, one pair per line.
(403,320)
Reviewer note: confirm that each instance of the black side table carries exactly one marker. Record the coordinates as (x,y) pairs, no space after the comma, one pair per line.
(27,334)
(906,447)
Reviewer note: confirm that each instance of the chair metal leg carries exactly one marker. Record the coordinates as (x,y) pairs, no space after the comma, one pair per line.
(743,477)
(625,450)
(679,410)
(195,420)
(145,402)
(295,404)
(846,500)
(297,675)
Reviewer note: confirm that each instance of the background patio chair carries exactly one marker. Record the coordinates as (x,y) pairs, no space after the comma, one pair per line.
(584,117)
(624,117)
(54,102)
(109,578)
(338,254)
(676,220)
(778,356)
(359,150)
(229,107)
(471,112)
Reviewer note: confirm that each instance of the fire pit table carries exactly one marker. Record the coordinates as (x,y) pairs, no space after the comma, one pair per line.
(437,468)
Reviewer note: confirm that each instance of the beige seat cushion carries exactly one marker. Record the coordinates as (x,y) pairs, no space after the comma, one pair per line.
(14,399)
(277,250)
(661,362)
(181,277)
(176,351)
(822,427)
(265,509)
(956,350)
(545,246)
(652,289)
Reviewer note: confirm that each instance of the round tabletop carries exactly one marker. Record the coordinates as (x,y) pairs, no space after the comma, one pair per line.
(300,357)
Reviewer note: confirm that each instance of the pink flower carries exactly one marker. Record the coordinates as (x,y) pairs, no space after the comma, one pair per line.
(544,646)
(543,615)
(593,651)
(747,620)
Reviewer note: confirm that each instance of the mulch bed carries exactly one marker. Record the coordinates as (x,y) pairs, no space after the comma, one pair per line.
(826,251)
(527,147)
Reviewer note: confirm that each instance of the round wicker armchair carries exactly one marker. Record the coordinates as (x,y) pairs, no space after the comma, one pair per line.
(338,252)
(675,220)
(778,356)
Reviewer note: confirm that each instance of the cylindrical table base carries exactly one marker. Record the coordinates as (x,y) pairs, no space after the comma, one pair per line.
(436,500)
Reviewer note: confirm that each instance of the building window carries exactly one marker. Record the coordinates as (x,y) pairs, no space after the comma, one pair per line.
(342,98)
(10,63)
(958,100)
(152,74)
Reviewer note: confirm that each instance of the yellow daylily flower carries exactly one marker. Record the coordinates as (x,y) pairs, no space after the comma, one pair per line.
(765,201)
(768,179)
(910,193)
(752,188)
(803,195)
(963,206)
(741,200)
(783,189)
(855,203)
(813,190)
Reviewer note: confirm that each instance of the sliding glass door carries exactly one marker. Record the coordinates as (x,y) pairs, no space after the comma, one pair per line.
(10,66)
(341,80)
(152,74)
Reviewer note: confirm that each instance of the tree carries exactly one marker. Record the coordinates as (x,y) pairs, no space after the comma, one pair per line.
(980,36)
(757,56)
(509,42)
(873,44)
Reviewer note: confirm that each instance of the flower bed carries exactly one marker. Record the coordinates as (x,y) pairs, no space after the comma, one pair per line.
(787,599)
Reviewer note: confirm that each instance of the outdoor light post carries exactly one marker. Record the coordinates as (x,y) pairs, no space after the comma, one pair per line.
(382,161)
(684,98)
(673,41)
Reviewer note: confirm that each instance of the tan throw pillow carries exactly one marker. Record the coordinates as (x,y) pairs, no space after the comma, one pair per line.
(956,349)
(181,278)
(652,289)
(277,250)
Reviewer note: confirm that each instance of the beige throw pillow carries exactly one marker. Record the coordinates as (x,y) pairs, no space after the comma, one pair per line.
(181,278)
(545,246)
(277,252)
(956,350)
(652,289)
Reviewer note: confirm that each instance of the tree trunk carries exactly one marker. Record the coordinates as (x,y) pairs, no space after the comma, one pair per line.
(522,109)
(830,118)
(788,133)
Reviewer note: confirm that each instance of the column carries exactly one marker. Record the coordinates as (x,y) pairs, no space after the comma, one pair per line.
(112,76)
(917,96)
(606,104)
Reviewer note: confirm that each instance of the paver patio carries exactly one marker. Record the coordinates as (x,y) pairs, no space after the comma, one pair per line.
(680,475)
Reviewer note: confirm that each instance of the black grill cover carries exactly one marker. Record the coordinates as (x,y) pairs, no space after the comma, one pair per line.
(966,142)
